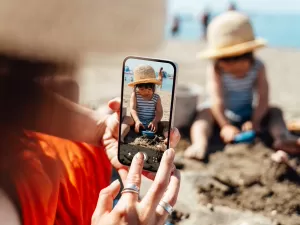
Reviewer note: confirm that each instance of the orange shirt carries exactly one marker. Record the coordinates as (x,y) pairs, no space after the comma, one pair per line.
(57,181)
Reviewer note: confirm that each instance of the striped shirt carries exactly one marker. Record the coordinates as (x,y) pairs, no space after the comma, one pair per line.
(239,93)
(146,108)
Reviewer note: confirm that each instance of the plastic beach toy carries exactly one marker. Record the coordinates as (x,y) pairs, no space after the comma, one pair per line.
(148,133)
(245,137)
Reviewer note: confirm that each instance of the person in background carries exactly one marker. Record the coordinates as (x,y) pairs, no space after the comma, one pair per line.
(56,156)
(238,89)
(161,77)
(232,7)
(205,18)
(175,26)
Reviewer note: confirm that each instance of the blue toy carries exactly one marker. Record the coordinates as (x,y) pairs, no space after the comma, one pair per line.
(148,133)
(245,137)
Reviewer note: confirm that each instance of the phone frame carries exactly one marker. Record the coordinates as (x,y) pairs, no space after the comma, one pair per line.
(172,106)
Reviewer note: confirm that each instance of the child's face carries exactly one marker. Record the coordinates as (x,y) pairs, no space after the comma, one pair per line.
(145,90)
(238,66)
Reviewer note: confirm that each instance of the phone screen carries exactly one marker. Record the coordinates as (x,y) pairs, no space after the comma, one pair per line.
(147,101)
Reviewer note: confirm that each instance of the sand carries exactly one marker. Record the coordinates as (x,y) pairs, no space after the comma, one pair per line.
(264,193)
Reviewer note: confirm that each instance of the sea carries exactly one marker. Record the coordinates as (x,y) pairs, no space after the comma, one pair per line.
(281,30)
(166,85)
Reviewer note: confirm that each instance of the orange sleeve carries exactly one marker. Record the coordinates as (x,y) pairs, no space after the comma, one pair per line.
(58,181)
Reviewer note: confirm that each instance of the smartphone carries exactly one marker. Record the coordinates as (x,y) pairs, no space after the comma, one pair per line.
(147,106)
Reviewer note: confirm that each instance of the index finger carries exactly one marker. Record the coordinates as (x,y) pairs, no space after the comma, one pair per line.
(134,177)
(161,181)
(174,137)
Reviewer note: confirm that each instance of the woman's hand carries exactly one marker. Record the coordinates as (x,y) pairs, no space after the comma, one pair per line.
(109,127)
(129,210)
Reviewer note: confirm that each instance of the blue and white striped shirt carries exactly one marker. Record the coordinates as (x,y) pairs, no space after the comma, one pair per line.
(239,93)
(146,108)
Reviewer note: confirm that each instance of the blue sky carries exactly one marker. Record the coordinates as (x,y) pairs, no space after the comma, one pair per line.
(132,63)
(270,6)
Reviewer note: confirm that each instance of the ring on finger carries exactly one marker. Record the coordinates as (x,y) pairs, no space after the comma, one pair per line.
(131,188)
(129,191)
(166,206)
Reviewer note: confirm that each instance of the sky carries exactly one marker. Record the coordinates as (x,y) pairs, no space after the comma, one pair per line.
(270,6)
(132,63)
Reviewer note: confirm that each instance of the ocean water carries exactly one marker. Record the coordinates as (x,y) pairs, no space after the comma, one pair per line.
(280,29)
(166,85)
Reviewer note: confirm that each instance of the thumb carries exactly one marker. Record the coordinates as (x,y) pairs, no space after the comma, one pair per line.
(106,198)
(114,104)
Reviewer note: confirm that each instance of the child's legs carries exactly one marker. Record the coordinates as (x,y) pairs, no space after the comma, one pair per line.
(283,139)
(125,127)
(201,132)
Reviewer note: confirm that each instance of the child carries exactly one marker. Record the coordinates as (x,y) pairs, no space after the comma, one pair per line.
(145,105)
(235,77)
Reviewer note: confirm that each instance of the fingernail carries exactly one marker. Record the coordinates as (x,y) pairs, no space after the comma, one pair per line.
(139,156)
(170,153)
(176,132)
(116,181)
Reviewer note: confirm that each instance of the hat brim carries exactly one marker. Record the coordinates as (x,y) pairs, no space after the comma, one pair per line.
(145,81)
(232,50)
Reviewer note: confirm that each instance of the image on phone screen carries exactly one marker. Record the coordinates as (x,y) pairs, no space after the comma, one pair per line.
(146,109)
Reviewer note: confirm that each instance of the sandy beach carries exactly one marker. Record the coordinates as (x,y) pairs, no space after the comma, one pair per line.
(229,202)
(101,78)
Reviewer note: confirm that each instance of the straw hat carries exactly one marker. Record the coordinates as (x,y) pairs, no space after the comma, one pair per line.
(144,74)
(230,34)
(70,29)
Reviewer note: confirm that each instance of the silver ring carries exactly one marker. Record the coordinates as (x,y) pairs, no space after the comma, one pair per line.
(131,188)
(129,191)
(166,206)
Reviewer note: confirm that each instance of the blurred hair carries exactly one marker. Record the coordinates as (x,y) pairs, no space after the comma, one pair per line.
(22,86)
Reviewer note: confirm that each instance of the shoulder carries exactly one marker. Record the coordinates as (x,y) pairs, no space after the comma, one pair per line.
(8,211)
(156,97)
(212,71)
(133,94)
(259,64)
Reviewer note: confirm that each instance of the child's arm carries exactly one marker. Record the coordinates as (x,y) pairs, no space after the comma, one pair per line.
(159,111)
(215,89)
(133,108)
(262,87)
(158,116)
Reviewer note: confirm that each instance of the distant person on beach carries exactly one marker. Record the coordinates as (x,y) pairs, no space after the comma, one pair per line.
(232,7)
(161,77)
(205,18)
(235,76)
(175,26)
(145,105)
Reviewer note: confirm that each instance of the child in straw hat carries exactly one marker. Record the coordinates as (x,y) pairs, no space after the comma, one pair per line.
(235,76)
(145,105)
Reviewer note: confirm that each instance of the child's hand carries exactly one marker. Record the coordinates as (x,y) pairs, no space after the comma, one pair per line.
(247,126)
(228,133)
(153,126)
(138,125)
